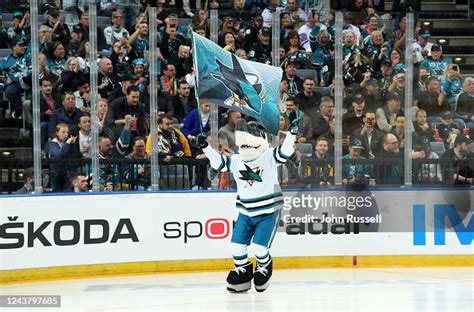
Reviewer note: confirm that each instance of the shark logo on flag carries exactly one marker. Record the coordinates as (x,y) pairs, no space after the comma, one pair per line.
(244,93)
(242,85)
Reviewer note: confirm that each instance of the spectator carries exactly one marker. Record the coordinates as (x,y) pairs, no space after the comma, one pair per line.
(452,85)
(267,14)
(299,121)
(170,140)
(85,136)
(297,14)
(461,167)
(227,133)
(309,99)
(108,80)
(390,171)
(465,104)
(80,184)
(448,129)
(128,79)
(56,23)
(67,114)
(110,177)
(102,107)
(353,173)
(228,43)
(436,63)
(82,95)
(171,41)
(252,32)
(330,134)
(84,25)
(83,55)
(168,80)
(324,170)
(372,139)
(184,63)
(57,57)
(107,7)
(398,84)
(422,128)
(139,40)
(121,107)
(283,94)
(423,46)
(321,122)
(16,67)
(45,37)
(261,50)
(426,173)
(433,100)
(28,187)
(140,69)
(47,96)
(61,147)
(76,39)
(197,121)
(242,54)
(295,82)
(183,103)
(138,172)
(352,120)
(116,31)
(165,101)
(70,75)
(200,19)
(17,30)
(372,94)
(399,129)
(386,114)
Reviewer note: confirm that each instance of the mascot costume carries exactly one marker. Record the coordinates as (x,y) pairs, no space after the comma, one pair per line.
(259,200)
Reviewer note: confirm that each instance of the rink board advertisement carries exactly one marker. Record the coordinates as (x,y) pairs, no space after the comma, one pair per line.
(48,231)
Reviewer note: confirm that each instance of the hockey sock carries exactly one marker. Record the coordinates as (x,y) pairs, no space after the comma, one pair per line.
(262,254)
(239,254)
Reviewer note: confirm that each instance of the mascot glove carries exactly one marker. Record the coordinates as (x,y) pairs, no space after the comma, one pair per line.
(201,140)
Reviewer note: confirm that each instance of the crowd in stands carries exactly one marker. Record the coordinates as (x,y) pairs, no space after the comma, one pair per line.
(373,73)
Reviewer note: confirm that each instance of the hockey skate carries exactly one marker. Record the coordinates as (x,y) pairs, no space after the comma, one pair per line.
(262,276)
(240,278)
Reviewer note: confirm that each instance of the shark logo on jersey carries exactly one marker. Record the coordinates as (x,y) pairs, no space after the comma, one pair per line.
(250,175)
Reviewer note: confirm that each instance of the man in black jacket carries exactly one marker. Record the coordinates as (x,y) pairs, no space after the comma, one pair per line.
(183,103)
(460,170)
(120,108)
(372,139)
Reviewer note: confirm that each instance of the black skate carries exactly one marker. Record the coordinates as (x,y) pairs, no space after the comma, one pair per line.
(240,278)
(262,275)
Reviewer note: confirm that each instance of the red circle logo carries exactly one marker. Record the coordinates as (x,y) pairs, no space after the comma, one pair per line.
(217,228)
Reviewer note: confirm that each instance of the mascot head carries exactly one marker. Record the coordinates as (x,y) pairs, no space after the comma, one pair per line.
(251,139)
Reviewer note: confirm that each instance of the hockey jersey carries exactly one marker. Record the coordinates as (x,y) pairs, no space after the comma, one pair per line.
(258,189)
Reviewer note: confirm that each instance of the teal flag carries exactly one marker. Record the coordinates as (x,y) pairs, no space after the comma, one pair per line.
(226,80)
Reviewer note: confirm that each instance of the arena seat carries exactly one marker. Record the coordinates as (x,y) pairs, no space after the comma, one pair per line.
(438,147)
(306,73)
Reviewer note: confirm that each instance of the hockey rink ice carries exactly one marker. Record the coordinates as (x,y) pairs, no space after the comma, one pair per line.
(416,289)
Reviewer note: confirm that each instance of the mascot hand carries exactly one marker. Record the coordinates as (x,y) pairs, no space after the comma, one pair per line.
(201,140)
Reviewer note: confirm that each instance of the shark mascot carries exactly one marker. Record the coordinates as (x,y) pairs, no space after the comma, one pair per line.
(259,200)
